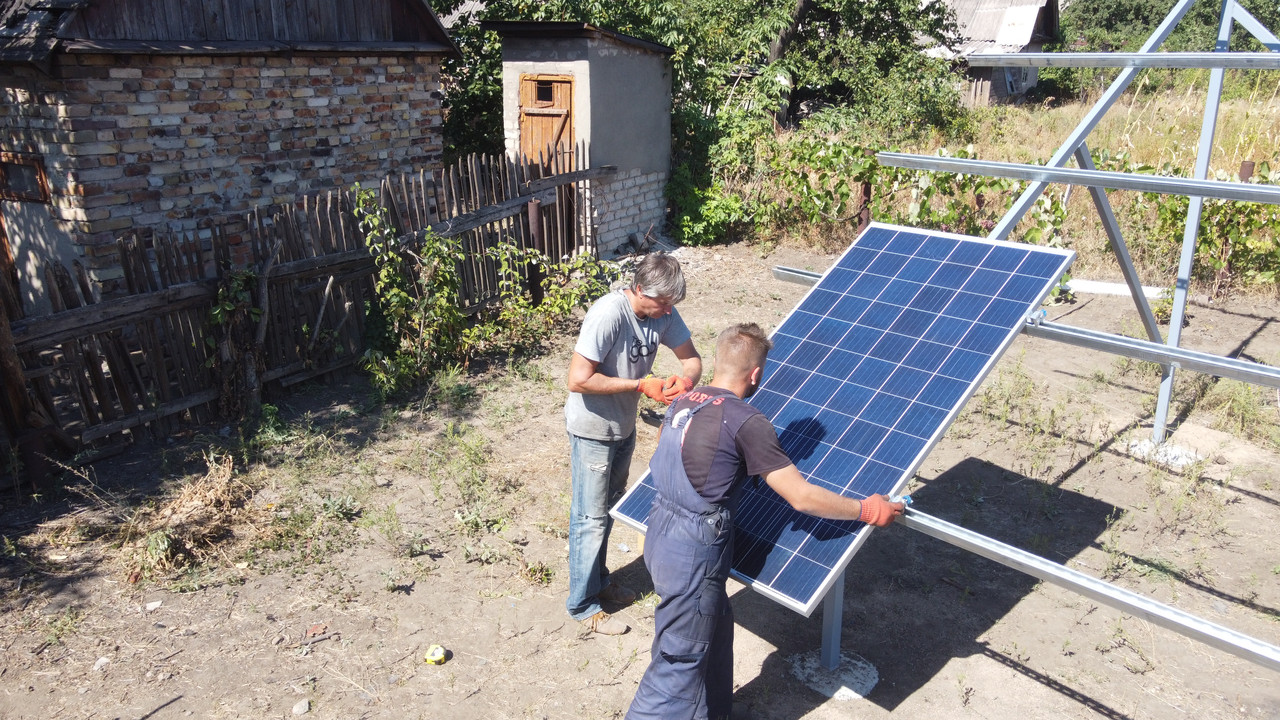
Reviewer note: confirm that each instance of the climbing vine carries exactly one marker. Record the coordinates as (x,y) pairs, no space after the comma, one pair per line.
(415,323)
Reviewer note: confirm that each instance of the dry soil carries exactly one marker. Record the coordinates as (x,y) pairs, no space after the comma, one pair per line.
(373,533)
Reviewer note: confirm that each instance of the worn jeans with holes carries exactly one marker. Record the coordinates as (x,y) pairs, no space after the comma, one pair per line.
(600,469)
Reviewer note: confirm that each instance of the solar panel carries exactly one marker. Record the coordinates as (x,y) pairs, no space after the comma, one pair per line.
(865,375)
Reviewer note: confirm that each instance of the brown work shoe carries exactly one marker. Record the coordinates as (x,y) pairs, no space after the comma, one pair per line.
(617,594)
(605,624)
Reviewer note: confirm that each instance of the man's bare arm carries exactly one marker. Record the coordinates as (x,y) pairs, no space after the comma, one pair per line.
(585,378)
(813,500)
(690,362)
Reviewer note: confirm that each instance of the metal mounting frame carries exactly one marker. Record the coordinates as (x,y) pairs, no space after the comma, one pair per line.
(1197,187)
(1158,349)
(1183,623)
(1218,636)
(1187,60)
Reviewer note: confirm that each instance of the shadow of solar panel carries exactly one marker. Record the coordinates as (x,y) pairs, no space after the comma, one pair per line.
(865,375)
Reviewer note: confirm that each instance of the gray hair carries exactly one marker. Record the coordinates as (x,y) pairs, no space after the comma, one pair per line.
(660,276)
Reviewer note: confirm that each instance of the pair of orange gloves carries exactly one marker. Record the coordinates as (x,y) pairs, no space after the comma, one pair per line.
(664,391)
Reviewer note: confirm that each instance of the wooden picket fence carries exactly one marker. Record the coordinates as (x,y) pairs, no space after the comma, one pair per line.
(96,371)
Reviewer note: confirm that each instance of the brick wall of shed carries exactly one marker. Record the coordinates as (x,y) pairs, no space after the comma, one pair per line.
(631,203)
(177,142)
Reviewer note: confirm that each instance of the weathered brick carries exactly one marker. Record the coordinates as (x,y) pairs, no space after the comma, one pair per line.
(97,207)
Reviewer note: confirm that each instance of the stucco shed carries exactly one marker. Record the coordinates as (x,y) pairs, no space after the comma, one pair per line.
(571,83)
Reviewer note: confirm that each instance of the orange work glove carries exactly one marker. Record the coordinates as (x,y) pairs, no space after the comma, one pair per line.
(675,386)
(652,387)
(878,511)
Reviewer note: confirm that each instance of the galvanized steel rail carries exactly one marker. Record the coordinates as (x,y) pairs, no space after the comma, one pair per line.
(1183,623)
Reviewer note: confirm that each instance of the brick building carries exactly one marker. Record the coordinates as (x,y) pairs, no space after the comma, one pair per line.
(171,115)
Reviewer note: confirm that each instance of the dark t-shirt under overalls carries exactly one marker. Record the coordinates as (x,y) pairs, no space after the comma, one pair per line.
(725,442)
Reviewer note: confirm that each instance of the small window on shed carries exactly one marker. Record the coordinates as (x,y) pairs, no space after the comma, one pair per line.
(22,178)
(545,93)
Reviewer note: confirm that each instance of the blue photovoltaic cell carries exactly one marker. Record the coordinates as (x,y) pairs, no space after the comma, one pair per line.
(865,375)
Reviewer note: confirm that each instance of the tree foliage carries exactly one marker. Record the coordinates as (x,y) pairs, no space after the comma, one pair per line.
(739,72)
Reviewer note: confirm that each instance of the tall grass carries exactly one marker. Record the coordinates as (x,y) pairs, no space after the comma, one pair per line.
(1160,129)
(1153,129)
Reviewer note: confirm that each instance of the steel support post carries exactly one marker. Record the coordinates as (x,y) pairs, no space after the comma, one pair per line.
(1236,643)
(1085,161)
(832,621)
(1192,229)
(1090,121)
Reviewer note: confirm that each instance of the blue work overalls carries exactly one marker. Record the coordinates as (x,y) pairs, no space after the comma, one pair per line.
(688,550)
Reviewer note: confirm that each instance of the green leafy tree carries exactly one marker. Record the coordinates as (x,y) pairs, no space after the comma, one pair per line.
(739,72)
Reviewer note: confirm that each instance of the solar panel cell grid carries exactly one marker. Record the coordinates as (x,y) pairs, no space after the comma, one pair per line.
(864,377)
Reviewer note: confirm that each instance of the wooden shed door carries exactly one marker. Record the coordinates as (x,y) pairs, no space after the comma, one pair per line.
(546,114)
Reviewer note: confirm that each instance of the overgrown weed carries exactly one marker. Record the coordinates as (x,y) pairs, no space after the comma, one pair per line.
(1244,410)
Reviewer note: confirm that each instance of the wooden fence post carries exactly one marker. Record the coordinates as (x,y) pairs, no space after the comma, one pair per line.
(540,245)
(864,212)
(14,404)
(13,400)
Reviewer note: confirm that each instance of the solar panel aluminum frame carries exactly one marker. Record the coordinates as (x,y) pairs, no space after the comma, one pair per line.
(836,570)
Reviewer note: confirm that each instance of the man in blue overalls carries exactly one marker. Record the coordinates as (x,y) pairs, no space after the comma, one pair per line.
(711,441)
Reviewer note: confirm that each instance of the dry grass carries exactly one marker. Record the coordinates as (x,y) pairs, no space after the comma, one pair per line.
(195,526)
(1154,129)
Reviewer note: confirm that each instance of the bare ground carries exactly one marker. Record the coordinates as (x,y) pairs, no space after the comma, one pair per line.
(373,533)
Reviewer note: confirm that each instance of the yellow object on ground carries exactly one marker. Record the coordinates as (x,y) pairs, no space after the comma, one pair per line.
(436,655)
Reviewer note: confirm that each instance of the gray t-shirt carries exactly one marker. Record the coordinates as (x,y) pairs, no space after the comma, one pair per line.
(624,346)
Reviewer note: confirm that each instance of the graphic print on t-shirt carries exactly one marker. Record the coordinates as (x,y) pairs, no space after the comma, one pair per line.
(643,344)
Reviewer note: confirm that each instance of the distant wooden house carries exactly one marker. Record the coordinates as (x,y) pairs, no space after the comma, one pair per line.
(565,84)
(1000,27)
(127,115)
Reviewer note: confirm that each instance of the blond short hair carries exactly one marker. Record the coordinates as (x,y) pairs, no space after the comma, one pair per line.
(741,347)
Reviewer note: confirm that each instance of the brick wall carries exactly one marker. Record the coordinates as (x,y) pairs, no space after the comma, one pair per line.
(175,142)
(631,203)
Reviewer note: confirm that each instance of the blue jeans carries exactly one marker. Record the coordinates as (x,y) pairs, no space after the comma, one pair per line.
(600,469)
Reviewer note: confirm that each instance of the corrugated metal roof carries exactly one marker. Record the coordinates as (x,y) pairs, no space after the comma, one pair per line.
(466,9)
(993,26)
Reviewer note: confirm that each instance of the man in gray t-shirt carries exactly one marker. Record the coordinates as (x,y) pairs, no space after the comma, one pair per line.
(607,373)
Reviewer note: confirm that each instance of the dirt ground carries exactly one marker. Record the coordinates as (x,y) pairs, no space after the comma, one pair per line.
(369,533)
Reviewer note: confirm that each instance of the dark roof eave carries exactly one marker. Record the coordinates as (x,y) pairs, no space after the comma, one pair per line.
(269,47)
(26,50)
(543,30)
